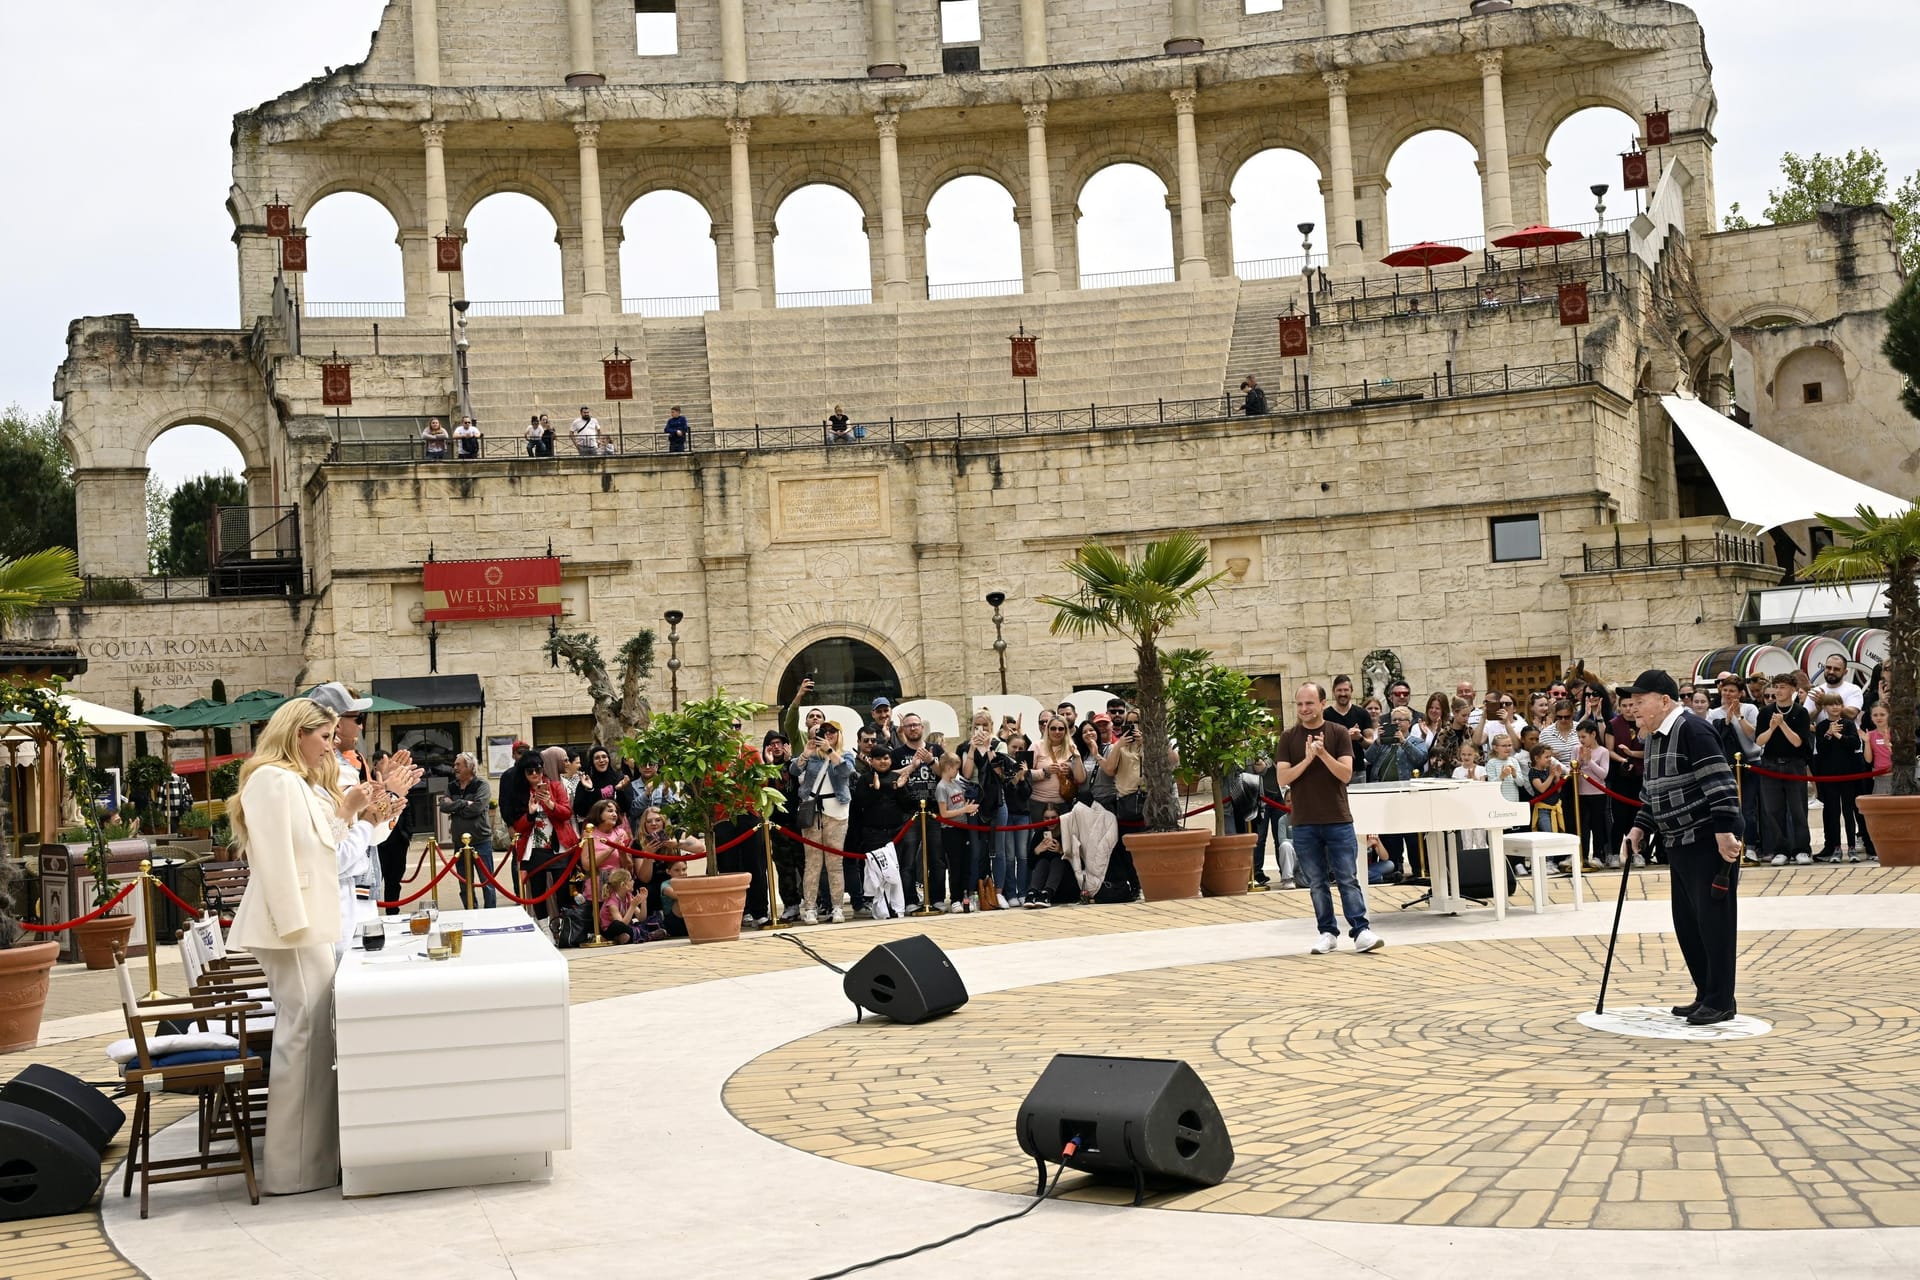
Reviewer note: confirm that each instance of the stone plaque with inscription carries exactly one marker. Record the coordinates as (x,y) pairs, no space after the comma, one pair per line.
(814,508)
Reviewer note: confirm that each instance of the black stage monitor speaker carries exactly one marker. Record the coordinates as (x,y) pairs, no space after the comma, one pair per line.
(45,1167)
(68,1099)
(1476,875)
(909,981)
(1140,1118)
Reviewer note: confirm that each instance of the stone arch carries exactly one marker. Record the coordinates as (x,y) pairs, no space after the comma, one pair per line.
(1763,315)
(374,186)
(1594,87)
(775,666)
(1821,363)
(1117,151)
(687,182)
(987,240)
(1394,132)
(1233,150)
(519,181)
(818,172)
(249,439)
(928,183)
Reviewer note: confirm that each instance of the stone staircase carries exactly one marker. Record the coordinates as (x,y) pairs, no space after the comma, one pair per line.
(1256,336)
(677,372)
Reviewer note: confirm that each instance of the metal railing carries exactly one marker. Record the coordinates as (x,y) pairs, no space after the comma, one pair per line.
(1121,279)
(332,310)
(525,307)
(615,441)
(977,289)
(254,578)
(824,298)
(695,304)
(1274,268)
(1721,548)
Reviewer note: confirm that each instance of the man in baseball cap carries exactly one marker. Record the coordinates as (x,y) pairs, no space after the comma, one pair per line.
(339,699)
(1691,801)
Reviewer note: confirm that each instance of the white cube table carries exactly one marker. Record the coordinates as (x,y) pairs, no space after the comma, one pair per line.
(452,1073)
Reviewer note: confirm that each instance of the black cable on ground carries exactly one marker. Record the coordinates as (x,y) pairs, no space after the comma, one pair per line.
(961,1235)
(810,951)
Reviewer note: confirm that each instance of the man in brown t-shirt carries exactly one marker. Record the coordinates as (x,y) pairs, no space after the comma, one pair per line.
(1315,760)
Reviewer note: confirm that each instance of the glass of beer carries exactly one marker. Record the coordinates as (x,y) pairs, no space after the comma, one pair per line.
(420,921)
(452,935)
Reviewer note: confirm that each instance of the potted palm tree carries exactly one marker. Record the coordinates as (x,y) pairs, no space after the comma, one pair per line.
(1138,600)
(1219,726)
(1871,545)
(713,773)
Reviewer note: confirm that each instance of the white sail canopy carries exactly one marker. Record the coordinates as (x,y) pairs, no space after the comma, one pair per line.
(1763,483)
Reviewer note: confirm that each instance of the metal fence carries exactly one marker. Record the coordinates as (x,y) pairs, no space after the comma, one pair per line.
(360,446)
(825,298)
(1721,548)
(522,307)
(334,310)
(1120,279)
(663,308)
(977,289)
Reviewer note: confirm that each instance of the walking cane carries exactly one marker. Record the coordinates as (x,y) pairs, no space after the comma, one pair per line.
(1626,870)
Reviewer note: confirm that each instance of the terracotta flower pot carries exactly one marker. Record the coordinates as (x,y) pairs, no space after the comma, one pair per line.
(1229,865)
(99,938)
(711,905)
(1169,862)
(1894,824)
(24,974)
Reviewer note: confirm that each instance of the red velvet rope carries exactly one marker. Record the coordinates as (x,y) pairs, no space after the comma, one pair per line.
(452,864)
(1808,777)
(606,842)
(1275,804)
(1549,793)
(827,848)
(1609,791)
(968,826)
(480,864)
(178,901)
(94,914)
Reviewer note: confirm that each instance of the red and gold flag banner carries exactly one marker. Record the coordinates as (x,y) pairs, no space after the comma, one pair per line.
(617,373)
(446,253)
(279,219)
(1633,171)
(1659,128)
(477,590)
(1573,304)
(1026,356)
(1293,336)
(336,382)
(293,252)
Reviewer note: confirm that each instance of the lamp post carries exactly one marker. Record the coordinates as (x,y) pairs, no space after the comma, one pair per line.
(996,599)
(1306,269)
(457,331)
(1599,190)
(674,618)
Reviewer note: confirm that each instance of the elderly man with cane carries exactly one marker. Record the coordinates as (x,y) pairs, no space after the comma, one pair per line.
(1691,802)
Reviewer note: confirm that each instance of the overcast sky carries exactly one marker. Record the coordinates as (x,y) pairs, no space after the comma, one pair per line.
(117,164)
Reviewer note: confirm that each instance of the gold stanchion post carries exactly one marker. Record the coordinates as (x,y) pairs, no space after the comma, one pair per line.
(153,930)
(773,900)
(926,885)
(469,882)
(1579,840)
(591,866)
(433,870)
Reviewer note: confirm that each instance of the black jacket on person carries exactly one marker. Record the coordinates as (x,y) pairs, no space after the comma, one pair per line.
(1256,401)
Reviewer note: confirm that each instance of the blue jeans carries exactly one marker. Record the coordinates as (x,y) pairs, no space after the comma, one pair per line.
(482,849)
(1010,859)
(1328,851)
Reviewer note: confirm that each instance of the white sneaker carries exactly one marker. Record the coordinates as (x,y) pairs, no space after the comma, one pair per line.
(1778,860)
(1323,945)
(808,917)
(1015,901)
(1639,859)
(839,916)
(956,908)
(1803,859)
(1367,940)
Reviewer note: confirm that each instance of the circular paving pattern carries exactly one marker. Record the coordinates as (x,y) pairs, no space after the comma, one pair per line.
(1435,1084)
(1657,1022)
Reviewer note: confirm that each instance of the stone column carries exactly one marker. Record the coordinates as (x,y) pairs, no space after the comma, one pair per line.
(883,41)
(1493,108)
(1183,28)
(1339,17)
(1033,32)
(1193,232)
(109,505)
(733,40)
(893,229)
(746,274)
(439,283)
(1046,271)
(594,300)
(580,45)
(426,41)
(1343,243)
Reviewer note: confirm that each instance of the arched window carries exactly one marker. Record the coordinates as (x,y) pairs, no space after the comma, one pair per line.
(191,470)
(848,673)
(1125,233)
(512,257)
(1433,190)
(1274,192)
(667,261)
(1810,376)
(973,243)
(353,250)
(821,257)
(1584,151)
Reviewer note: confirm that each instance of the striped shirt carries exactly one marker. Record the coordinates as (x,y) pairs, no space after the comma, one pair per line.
(1689,792)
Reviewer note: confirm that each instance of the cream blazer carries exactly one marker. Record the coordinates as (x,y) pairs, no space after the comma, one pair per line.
(292,897)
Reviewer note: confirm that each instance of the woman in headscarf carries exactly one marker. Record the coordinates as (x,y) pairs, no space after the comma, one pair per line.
(536,805)
(602,779)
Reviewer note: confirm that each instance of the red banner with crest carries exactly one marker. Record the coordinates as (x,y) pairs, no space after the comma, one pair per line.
(1633,171)
(336,382)
(1659,128)
(617,373)
(1026,356)
(446,253)
(279,219)
(1573,304)
(1293,336)
(293,252)
(479,590)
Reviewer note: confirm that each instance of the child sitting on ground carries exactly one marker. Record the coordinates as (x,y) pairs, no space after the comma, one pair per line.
(1049,876)
(622,910)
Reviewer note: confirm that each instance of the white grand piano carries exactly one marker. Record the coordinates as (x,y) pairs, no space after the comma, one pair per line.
(1432,805)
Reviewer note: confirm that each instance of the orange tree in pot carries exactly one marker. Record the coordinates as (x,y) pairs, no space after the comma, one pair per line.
(1138,601)
(1870,545)
(713,774)
(1220,727)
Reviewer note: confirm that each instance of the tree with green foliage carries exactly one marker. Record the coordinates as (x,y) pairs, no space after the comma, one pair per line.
(159,516)
(1216,720)
(32,581)
(1857,178)
(190,513)
(37,476)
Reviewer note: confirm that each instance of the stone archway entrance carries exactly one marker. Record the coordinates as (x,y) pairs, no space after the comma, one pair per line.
(845,672)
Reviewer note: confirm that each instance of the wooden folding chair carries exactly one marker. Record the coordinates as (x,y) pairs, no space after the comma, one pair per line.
(220,1086)
(221,885)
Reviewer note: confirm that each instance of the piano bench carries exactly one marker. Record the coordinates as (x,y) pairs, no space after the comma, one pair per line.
(1538,846)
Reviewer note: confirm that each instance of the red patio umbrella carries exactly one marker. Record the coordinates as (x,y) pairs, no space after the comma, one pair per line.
(1426,254)
(1538,237)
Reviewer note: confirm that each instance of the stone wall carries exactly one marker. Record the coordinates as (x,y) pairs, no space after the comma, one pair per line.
(172,651)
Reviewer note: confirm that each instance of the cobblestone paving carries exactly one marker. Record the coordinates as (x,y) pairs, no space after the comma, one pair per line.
(1439,1084)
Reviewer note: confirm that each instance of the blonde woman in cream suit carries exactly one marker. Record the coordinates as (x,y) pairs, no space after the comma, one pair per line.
(290,819)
